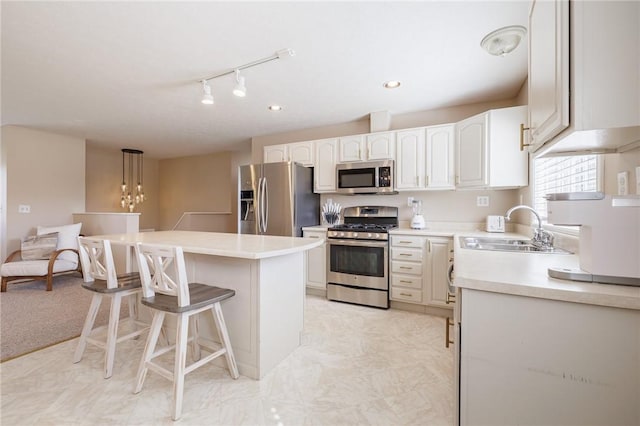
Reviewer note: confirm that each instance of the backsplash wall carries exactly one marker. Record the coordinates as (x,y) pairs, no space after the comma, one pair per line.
(437,206)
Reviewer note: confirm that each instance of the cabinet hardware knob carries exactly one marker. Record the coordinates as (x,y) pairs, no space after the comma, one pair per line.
(451,298)
(426,180)
(522,144)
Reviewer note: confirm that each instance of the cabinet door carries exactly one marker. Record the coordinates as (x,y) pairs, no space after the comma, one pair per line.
(471,151)
(276,153)
(324,173)
(316,262)
(351,149)
(439,256)
(440,157)
(410,159)
(548,90)
(380,146)
(302,152)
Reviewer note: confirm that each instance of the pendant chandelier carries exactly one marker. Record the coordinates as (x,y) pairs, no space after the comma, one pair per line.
(132,194)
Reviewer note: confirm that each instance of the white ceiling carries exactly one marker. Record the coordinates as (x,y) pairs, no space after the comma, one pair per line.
(124,74)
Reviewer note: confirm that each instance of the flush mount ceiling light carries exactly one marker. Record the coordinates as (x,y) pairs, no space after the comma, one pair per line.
(504,40)
(391,84)
(207,97)
(240,89)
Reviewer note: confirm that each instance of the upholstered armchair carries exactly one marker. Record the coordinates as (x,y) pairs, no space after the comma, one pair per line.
(53,251)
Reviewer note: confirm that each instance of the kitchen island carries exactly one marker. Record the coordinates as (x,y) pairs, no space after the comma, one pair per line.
(265,317)
(539,350)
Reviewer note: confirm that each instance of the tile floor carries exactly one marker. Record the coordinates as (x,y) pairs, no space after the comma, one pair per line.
(356,366)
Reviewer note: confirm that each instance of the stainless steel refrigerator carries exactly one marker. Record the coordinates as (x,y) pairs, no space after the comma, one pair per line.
(277,199)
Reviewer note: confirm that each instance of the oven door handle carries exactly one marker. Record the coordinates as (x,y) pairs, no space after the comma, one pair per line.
(358,243)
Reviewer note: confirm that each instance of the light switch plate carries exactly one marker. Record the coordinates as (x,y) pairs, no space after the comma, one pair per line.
(24,208)
(482,201)
(623,183)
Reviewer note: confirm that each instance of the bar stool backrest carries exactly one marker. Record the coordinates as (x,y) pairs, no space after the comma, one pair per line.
(162,270)
(96,260)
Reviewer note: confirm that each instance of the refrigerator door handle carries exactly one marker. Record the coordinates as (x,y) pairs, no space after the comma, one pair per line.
(259,205)
(261,225)
(265,205)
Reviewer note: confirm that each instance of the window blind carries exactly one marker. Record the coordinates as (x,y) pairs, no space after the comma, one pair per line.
(578,173)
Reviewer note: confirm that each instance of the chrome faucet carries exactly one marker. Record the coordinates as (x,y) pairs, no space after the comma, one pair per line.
(541,238)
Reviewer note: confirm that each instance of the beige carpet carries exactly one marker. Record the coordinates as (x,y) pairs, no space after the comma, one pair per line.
(32,318)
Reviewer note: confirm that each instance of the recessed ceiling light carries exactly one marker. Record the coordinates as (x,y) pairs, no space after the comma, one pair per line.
(391,84)
(275,108)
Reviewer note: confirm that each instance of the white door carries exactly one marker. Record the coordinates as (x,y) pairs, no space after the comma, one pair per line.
(351,149)
(275,153)
(302,152)
(410,159)
(471,152)
(324,173)
(440,157)
(380,146)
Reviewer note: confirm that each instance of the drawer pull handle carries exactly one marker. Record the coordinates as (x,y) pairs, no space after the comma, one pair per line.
(406,254)
(406,294)
(405,281)
(406,267)
(404,242)
(451,298)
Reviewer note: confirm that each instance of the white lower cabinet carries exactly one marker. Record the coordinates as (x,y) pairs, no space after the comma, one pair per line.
(528,360)
(316,261)
(419,267)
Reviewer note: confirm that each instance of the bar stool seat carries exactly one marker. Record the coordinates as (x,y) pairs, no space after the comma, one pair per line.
(167,291)
(100,278)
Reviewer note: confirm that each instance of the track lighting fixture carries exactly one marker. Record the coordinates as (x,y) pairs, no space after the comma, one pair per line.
(240,90)
(207,97)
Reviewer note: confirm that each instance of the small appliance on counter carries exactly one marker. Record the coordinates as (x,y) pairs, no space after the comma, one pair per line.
(417,221)
(609,246)
(495,223)
(331,212)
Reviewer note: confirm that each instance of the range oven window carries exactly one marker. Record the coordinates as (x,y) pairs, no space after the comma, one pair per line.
(357,178)
(357,260)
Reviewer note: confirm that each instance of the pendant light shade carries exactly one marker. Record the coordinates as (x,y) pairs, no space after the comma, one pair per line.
(132,194)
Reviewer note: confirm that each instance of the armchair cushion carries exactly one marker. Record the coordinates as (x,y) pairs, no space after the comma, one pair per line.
(67,239)
(34,268)
(39,247)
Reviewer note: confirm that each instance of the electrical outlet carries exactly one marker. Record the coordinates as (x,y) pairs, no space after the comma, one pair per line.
(410,201)
(482,201)
(24,208)
(623,183)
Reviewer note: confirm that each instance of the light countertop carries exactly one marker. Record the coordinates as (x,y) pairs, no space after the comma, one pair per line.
(525,274)
(219,244)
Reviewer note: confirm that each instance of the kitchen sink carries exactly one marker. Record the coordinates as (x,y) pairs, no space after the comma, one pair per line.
(504,244)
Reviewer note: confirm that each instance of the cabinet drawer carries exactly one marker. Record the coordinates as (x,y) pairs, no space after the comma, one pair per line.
(406,281)
(406,294)
(407,241)
(400,253)
(406,268)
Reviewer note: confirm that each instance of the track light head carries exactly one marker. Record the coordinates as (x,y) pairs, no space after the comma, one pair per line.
(240,90)
(207,97)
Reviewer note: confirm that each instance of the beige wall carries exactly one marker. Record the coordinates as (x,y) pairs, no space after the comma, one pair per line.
(104,174)
(45,171)
(615,163)
(200,183)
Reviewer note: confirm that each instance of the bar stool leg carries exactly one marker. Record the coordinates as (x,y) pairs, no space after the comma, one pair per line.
(133,312)
(112,335)
(195,332)
(152,340)
(88,326)
(182,330)
(224,339)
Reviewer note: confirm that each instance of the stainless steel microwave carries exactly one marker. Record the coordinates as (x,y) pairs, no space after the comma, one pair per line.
(371,177)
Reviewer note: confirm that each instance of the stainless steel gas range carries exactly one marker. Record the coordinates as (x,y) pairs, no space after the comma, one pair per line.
(358,256)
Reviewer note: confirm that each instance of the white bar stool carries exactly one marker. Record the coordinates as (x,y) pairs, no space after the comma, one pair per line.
(100,277)
(166,290)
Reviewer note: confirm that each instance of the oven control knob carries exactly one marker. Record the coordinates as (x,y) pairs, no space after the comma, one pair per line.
(342,234)
(355,235)
(377,235)
(369,235)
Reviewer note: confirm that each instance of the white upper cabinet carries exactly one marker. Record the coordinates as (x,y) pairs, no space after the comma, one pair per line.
(548,69)
(352,148)
(425,158)
(488,151)
(276,153)
(324,173)
(373,146)
(440,164)
(410,159)
(603,62)
(380,146)
(302,152)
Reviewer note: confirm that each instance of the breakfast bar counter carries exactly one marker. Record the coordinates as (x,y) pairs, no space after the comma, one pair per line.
(265,317)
